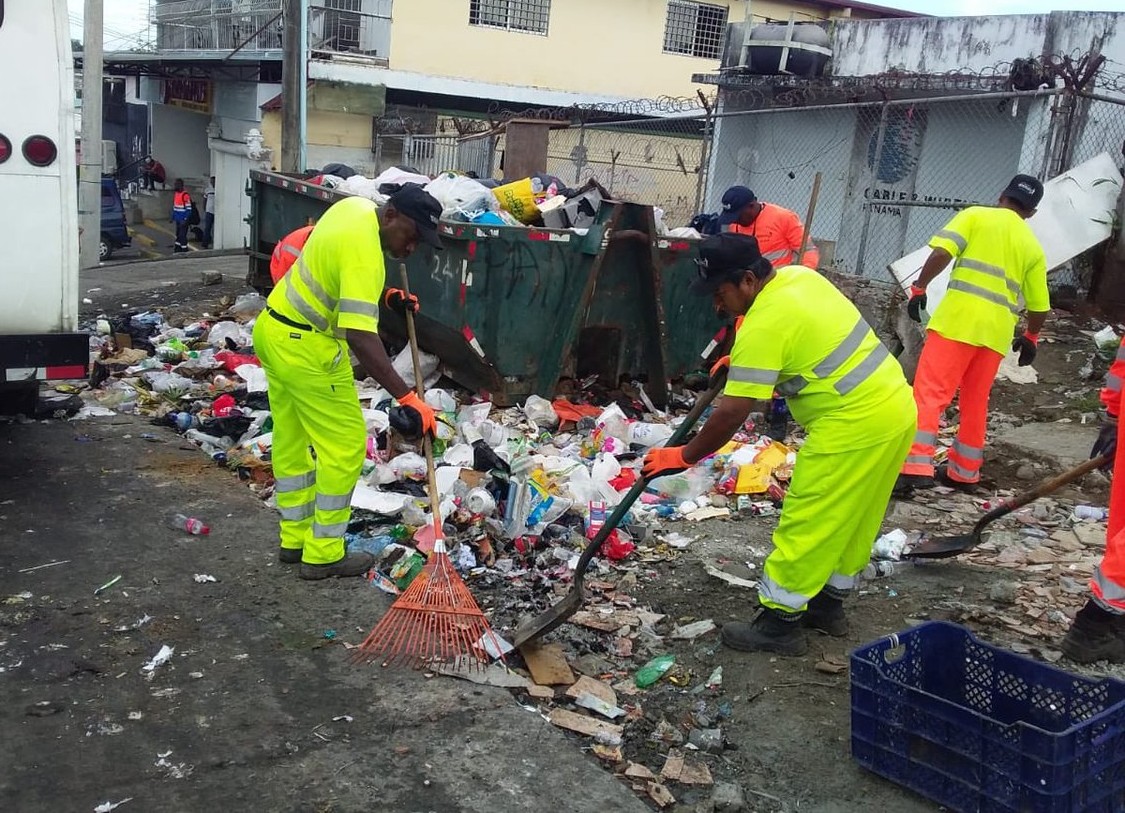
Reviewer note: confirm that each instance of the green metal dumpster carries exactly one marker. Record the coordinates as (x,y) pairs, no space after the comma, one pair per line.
(510,310)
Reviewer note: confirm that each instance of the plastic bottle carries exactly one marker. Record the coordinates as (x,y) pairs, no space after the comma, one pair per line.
(1094,512)
(195,527)
(653,671)
(183,421)
(878,570)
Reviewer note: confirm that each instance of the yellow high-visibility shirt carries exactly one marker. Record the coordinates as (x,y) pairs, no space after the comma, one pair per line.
(336,282)
(804,339)
(996,260)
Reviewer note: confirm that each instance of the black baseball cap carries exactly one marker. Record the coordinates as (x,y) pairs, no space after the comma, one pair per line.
(420,206)
(1025,190)
(735,200)
(725,258)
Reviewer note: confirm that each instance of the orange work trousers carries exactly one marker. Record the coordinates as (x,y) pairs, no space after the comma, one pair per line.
(945,369)
(1108,583)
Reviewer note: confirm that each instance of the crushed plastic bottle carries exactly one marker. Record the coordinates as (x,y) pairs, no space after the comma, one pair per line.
(195,527)
(879,570)
(652,671)
(1093,512)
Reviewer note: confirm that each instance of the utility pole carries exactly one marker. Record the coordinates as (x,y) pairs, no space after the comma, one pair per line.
(292,87)
(90,176)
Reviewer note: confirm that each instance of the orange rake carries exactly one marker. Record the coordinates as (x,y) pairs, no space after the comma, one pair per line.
(436,619)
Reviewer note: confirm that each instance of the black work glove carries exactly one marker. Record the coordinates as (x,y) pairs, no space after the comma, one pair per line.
(916,302)
(1106,444)
(1025,346)
(400,302)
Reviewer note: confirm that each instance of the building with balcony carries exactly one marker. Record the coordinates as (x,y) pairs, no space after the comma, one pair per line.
(213,80)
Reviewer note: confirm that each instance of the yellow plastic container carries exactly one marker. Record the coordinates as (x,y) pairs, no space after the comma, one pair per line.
(518,200)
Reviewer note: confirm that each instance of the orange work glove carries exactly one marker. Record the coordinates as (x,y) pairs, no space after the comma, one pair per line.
(718,371)
(664,460)
(425,412)
(399,301)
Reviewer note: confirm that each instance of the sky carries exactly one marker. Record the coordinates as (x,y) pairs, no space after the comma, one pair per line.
(126,20)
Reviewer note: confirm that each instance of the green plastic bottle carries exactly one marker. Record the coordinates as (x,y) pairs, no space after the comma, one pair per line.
(653,671)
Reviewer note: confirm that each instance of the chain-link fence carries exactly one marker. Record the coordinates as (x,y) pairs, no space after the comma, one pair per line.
(892,172)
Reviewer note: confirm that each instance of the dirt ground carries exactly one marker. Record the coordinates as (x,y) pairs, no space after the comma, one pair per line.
(260,707)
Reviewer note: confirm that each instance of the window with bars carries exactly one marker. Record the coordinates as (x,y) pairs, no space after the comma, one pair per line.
(695,29)
(512,15)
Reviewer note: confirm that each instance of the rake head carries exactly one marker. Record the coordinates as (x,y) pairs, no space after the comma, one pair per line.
(435,621)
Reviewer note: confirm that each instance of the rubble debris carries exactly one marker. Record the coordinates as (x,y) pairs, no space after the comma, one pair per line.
(581,724)
(660,795)
(547,664)
(678,768)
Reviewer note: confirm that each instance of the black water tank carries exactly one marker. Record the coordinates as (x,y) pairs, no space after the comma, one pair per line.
(765,59)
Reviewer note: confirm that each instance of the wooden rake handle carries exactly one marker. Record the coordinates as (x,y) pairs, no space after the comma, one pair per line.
(1044,488)
(420,386)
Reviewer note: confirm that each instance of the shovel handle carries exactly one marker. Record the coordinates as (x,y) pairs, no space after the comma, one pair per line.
(1043,489)
(614,519)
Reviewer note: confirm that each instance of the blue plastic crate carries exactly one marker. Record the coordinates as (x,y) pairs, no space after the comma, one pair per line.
(983,730)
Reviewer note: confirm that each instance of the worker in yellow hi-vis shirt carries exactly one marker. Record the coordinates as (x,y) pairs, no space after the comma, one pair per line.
(327,303)
(996,260)
(803,338)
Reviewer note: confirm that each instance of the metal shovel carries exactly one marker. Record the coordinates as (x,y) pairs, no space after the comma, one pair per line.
(943,547)
(569,604)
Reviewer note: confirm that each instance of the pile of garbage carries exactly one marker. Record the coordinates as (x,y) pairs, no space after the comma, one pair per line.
(540,200)
(521,488)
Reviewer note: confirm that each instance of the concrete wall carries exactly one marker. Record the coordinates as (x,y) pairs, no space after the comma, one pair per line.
(332,137)
(179,141)
(942,44)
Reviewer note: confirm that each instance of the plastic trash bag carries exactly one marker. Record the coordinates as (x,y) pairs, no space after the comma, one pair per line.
(166,383)
(459,194)
(540,412)
(249,305)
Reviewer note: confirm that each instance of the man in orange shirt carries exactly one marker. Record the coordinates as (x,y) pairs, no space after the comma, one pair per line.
(286,252)
(779,231)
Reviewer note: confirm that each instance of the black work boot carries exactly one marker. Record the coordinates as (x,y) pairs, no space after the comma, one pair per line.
(1094,636)
(289,556)
(826,614)
(353,564)
(907,484)
(770,631)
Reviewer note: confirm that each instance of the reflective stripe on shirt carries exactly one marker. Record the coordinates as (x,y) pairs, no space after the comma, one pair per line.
(983,293)
(837,358)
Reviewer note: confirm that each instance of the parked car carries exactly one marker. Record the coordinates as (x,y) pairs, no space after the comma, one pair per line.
(115,231)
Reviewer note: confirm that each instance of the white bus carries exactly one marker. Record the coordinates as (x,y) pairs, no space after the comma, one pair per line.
(38,193)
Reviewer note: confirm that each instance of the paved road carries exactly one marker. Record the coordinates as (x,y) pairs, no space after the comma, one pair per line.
(249,712)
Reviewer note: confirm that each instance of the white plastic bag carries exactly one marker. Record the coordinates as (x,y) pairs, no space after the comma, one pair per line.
(409,466)
(649,434)
(221,331)
(168,382)
(362,187)
(249,305)
(440,400)
(459,194)
(404,366)
(613,422)
(540,412)
(400,176)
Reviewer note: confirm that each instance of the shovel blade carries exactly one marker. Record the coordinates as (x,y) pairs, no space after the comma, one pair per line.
(549,619)
(943,547)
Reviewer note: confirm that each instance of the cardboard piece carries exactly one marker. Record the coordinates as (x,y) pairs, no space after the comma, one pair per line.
(678,769)
(637,771)
(547,664)
(589,685)
(581,724)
